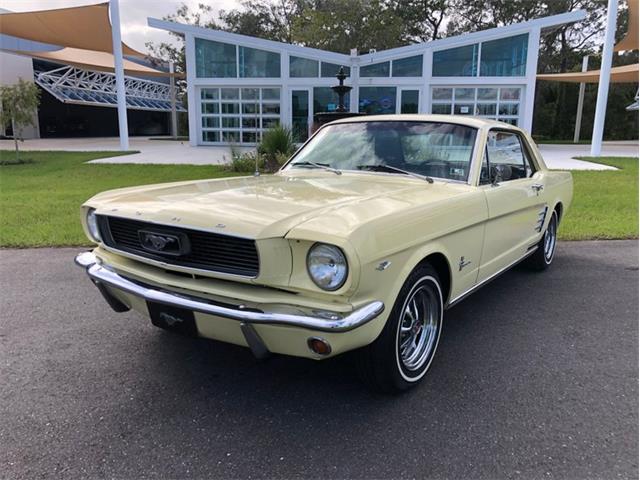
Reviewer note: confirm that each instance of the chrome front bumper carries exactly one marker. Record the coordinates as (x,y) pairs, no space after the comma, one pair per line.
(103,276)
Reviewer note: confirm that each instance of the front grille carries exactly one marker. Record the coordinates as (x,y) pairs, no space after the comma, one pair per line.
(207,251)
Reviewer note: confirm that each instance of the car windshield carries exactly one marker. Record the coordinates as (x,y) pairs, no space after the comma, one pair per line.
(430,149)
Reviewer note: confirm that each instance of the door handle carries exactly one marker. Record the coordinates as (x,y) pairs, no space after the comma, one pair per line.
(537,187)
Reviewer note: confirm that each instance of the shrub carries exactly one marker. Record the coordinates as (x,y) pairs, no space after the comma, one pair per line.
(271,153)
(277,142)
(246,162)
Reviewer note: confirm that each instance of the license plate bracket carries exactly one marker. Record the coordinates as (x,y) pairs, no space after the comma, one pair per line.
(174,319)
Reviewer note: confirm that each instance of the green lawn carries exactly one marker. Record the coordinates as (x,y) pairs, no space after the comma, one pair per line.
(605,203)
(40,201)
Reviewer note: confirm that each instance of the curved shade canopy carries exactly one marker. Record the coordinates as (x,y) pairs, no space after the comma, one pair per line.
(624,74)
(90,60)
(630,41)
(88,28)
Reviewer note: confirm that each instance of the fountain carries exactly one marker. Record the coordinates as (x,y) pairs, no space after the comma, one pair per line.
(341,110)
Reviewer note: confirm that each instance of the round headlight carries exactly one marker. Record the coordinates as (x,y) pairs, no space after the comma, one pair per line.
(327,266)
(92,225)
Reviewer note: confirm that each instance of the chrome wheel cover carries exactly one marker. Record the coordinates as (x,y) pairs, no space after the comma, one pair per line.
(419,327)
(550,238)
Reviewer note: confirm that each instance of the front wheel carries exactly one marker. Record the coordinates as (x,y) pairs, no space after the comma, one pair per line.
(400,357)
(543,256)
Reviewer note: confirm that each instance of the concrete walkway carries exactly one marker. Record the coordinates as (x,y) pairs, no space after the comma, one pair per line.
(169,152)
(561,157)
(151,151)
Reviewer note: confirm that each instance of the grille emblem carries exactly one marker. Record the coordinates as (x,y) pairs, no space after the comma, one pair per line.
(163,243)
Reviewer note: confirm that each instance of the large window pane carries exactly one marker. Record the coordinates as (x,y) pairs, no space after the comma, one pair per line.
(215,59)
(300,114)
(409,101)
(256,63)
(375,70)
(326,100)
(377,100)
(456,62)
(332,69)
(302,68)
(506,57)
(408,67)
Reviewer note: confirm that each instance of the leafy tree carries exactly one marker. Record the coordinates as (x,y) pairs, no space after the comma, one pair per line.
(423,20)
(271,20)
(18,103)
(340,25)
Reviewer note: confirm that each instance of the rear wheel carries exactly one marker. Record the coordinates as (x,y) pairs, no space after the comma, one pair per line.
(543,256)
(400,357)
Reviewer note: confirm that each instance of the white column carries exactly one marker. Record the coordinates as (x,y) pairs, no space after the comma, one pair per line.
(528,103)
(605,74)
(576,133)
(114,10)
(193,103)
(174,116)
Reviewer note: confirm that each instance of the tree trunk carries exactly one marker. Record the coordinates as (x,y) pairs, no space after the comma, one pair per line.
(15,139)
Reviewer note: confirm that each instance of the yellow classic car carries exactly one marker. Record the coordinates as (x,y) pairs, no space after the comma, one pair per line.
(361,241)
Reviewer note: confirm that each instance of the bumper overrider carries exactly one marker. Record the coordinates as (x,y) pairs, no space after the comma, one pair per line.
(105,279)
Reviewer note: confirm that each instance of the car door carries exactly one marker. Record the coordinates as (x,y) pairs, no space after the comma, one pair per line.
(513,187)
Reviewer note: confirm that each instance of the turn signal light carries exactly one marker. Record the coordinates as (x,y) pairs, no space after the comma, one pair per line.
(319,346)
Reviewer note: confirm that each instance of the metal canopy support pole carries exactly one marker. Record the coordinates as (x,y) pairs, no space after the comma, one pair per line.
(605,74)
(174,115)
(114,10)
(576,134)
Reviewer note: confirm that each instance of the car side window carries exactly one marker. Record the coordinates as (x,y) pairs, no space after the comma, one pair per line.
(506,157)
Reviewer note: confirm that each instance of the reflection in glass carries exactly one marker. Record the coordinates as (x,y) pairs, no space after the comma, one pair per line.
(375,70)
(456,62)
(505,57)
(377,100)
(302,67)
(215,59)
(409,101)
(256,63)
(434,149)
(408,67)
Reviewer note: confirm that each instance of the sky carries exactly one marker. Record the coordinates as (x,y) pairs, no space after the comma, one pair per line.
(133,14)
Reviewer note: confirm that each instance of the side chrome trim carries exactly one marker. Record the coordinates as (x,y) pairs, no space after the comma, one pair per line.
(464,295)
(105,276)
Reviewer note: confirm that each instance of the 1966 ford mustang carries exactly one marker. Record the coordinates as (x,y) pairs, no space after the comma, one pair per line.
(361,241)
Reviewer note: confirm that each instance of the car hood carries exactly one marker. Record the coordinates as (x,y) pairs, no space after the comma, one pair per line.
(271,205)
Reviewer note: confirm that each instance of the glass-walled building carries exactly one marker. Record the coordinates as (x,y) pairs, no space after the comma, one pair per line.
(239,86)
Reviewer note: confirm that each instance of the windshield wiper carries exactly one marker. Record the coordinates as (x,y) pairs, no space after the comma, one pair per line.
(389,168)
(323,166)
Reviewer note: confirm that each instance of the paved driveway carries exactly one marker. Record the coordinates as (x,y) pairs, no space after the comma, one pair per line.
(536,377)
